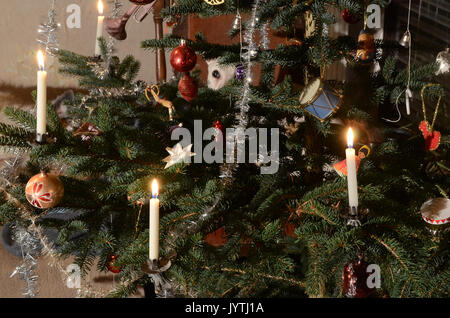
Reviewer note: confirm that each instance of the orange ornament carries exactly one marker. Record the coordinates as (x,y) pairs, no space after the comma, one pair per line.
(44,191)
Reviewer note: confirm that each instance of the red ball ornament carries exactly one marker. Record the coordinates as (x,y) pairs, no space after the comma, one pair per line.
(350,17)
(354,279)
(183,58)
(110,264)
(188,87)
(44,191)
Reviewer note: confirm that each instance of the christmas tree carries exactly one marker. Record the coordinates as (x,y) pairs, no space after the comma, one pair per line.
(288,222)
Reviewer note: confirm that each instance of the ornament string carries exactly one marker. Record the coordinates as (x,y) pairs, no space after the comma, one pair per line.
(397,108)
(424,107)
(408,93)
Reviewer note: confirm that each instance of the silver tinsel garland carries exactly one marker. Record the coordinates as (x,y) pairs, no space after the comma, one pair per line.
(30,248)
(227,170)
(47,32)
(116,12)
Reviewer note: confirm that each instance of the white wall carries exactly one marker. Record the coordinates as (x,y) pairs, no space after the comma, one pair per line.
(18,32)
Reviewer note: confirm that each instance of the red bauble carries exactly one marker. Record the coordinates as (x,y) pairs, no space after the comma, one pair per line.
(111,264)
(188,87)
(354,279)
(350,17)
(183,58)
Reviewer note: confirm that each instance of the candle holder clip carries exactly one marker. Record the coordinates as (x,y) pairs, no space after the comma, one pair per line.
(355,215)
(41,138)
(155,269)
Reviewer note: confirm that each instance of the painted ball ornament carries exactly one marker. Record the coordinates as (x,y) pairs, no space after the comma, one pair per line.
(183,58)
(188,87)
(44,191)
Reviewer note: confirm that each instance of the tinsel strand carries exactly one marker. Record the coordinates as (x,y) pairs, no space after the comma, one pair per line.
(47,32)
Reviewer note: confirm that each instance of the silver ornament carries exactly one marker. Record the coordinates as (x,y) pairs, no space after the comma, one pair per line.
(47,32)
(237,22)
(443,61)
(405,39)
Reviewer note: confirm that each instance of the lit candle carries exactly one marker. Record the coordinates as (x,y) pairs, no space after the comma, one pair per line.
(41,99)
(101,18)
(154,223)
(351,171)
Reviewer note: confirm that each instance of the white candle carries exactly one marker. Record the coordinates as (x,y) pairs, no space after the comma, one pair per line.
(41,99)
(351,171)
(154,223)
(101,18)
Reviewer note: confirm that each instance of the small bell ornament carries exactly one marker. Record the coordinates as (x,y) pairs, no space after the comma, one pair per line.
(237,22)
(443,61)
(405,40)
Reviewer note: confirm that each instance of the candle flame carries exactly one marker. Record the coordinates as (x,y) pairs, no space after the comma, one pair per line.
(350,138)
(40,57)
(100,7)
(155,189)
